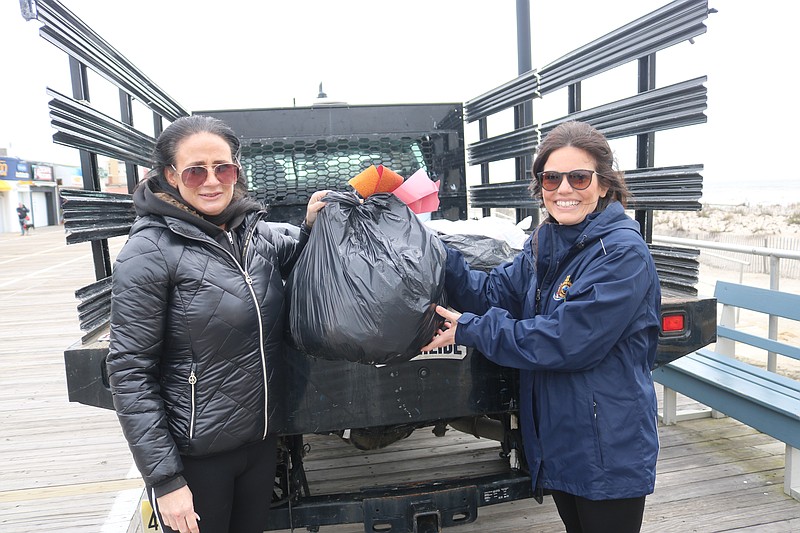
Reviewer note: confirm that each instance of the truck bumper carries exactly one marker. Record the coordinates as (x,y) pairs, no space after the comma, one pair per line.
(405,508)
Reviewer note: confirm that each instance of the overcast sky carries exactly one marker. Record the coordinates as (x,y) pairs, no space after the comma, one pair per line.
(240,54)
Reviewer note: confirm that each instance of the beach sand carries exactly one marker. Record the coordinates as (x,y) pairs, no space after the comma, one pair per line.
(778,220)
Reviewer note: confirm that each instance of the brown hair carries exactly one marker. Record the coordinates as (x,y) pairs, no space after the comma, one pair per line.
(587,138)
(167,146)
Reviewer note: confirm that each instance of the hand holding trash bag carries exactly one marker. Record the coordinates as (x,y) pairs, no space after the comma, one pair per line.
(367,285)
(447,334)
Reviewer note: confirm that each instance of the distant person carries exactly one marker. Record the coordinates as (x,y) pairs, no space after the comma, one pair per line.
(22,214)
(577,312)
(197,305)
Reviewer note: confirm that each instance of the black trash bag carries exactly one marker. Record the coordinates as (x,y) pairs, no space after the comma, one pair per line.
(480,251)
(284,228)
(366,287)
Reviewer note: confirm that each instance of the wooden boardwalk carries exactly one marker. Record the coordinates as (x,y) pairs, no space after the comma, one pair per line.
(65,467)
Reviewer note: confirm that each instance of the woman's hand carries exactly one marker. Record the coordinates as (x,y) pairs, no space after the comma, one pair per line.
(315,203)
(447,335)
(177,510)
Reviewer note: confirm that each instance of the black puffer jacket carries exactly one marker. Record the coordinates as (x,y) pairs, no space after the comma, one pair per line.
(190,331)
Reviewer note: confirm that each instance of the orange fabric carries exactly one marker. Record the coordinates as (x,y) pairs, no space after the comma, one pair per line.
(364,182)
(375,180)
(390,180)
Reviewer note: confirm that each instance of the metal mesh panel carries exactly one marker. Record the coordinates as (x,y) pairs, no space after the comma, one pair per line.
(284,173)
(288,153)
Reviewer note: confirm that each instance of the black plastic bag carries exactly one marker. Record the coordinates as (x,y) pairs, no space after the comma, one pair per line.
(366,287)
(481,252)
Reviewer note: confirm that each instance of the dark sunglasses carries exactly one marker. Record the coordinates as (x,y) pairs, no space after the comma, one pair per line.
(195,176)
(577,179)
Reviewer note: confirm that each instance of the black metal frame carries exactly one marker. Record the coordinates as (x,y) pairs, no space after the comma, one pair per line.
(318,132)
(674,23)
(642,115)
(93,133)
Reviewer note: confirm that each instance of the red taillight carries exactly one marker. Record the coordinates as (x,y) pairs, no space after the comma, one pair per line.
(671,323)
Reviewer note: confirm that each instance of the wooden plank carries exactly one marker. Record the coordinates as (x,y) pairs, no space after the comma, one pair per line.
(758,341)
(757,299)
(62,466)
(66,467)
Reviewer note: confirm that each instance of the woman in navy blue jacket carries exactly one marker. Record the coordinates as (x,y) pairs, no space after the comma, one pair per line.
(577,312)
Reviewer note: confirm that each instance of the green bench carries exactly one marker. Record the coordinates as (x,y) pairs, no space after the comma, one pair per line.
(760,398)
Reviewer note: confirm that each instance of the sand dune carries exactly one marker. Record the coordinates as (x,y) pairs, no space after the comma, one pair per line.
(733,220)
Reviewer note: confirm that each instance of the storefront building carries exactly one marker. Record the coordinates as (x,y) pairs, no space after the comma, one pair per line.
(34,185)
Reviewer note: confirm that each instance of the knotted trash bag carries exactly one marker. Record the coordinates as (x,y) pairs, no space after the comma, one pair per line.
(366,287)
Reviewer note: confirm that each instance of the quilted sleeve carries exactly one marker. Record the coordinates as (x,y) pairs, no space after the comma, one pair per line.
(287,248)
(139,300)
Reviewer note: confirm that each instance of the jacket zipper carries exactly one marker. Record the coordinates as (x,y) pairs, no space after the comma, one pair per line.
(192,383)
(597,432)
(249,237)
(249,281)
(247,240)
(553,268)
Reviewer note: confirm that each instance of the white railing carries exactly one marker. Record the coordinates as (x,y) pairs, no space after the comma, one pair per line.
(758,265)
(773,254)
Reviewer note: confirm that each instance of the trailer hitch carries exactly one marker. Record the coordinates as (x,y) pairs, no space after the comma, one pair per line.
(421,512)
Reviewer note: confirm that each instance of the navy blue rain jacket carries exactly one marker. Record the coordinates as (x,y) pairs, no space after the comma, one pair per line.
(578,312)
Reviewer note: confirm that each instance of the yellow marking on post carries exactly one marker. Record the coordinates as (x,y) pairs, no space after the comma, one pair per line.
(149,522)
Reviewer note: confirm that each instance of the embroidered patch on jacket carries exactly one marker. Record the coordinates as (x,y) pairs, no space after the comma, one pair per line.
(563,289)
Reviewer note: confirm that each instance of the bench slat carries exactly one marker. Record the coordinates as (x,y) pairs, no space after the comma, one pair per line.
(759,342)
(767,301)
(766,388)
(759,377)
(720,386)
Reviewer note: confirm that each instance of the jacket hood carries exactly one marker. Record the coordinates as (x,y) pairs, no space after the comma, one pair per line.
(154,198)
(563,239)
(596,226)
(149,199)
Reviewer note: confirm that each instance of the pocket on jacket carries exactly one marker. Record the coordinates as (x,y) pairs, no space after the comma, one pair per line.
(618,430)
(598,441)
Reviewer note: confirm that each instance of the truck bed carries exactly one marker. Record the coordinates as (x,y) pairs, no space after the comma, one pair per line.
(333,466)
(401,487)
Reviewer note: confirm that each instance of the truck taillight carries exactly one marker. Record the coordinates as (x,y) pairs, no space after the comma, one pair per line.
(672,323)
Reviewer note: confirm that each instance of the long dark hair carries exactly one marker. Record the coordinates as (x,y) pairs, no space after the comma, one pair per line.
(167,146)
(590,140)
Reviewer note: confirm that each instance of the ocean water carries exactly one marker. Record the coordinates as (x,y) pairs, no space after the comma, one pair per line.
(764,192)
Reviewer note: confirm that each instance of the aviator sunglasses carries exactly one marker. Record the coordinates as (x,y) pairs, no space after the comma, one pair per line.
(194,176)
(578,179)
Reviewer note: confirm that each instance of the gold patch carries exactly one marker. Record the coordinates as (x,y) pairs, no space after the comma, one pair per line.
(563,289)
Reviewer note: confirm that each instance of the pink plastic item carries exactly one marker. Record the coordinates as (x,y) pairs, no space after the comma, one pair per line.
(419,193)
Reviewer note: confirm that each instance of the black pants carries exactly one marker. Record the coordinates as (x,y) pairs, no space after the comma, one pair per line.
(599,516)
(232,491)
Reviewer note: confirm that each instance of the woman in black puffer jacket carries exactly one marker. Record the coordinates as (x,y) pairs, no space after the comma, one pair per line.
(197,304)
